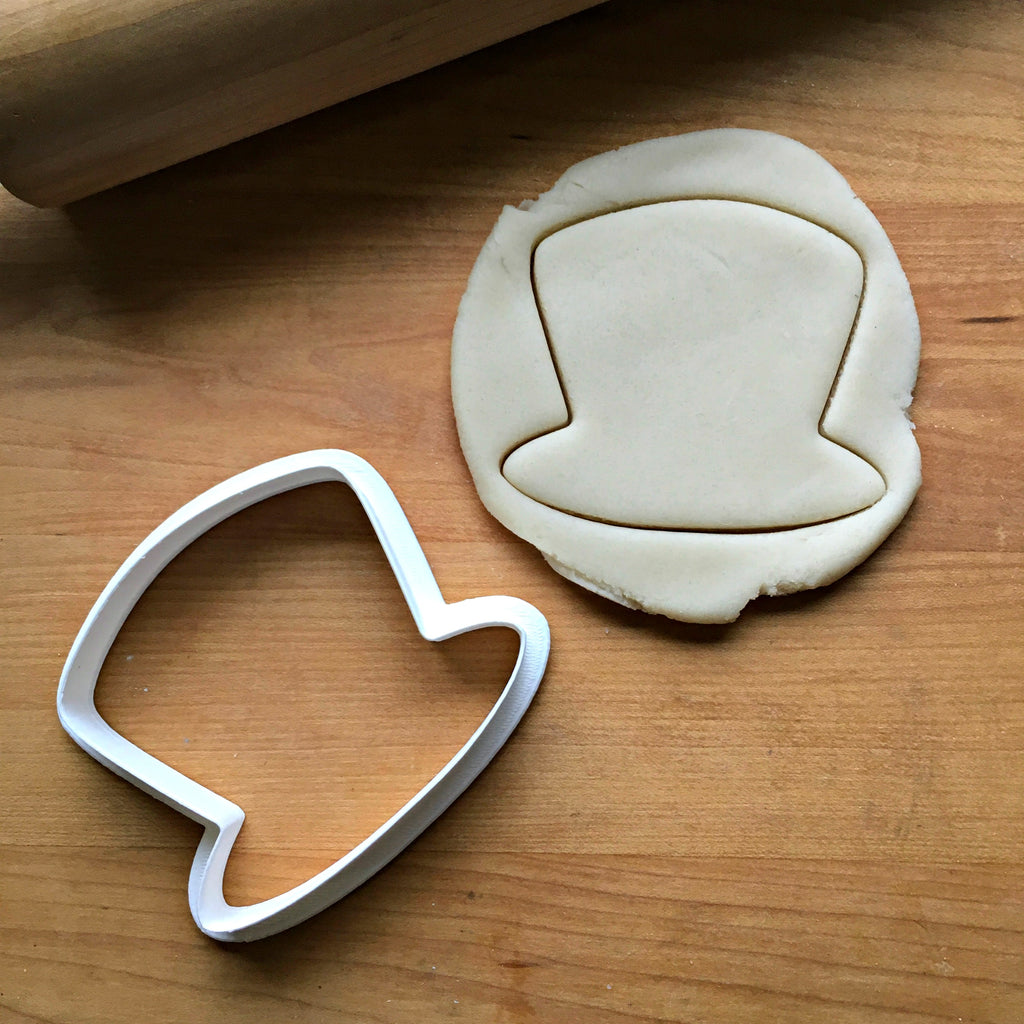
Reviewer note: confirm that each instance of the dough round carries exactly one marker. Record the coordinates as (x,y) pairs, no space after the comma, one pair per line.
(683,374)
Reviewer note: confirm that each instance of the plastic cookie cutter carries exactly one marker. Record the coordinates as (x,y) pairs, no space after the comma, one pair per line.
(222,819)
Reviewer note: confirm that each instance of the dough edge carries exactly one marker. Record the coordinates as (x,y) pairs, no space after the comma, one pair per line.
(499,346)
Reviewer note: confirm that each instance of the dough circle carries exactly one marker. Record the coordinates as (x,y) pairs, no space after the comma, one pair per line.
(683,374)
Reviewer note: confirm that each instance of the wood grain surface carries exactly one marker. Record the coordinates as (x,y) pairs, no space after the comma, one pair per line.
(813,815)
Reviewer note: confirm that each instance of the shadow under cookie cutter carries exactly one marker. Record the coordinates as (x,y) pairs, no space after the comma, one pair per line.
(222,819)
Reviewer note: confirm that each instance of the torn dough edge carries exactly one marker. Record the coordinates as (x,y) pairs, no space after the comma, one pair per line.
(504,381)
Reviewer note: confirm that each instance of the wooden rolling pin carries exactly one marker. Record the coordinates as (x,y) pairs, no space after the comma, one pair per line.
(96,92)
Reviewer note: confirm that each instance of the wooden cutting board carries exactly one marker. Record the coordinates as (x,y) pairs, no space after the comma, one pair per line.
(812,815)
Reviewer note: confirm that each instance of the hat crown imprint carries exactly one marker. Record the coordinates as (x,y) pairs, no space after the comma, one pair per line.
(696,342)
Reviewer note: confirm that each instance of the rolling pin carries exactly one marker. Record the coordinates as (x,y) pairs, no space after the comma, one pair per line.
(97,92)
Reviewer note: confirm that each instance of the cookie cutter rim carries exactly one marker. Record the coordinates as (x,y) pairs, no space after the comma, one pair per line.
(222,820)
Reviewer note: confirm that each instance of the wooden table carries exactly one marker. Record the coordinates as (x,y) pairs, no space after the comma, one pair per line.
(815,814)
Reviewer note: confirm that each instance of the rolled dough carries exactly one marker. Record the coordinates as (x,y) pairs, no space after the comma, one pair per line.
(683,374)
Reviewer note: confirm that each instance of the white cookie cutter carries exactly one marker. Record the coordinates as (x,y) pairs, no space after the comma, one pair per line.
(222,819)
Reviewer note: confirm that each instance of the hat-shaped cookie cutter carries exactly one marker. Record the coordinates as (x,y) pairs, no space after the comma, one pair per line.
(222,819)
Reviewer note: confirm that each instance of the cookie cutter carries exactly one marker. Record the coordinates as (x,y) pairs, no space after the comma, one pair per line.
(222,819)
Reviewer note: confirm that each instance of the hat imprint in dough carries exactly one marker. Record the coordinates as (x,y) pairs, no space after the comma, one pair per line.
(697,343)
